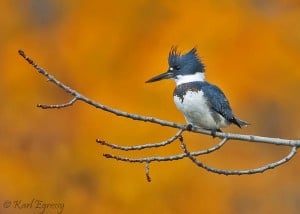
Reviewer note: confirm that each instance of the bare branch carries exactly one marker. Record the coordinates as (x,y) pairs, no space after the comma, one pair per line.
(248,138)
(143,146)
(71,102)
(191,155)
(167,158)
(238,172)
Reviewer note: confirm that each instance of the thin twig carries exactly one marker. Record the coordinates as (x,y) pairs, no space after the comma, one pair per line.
(143,146)
(238,172)
(166,158)
(64,105)
(147,171)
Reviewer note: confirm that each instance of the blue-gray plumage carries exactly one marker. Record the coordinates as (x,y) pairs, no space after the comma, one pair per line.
(203,104)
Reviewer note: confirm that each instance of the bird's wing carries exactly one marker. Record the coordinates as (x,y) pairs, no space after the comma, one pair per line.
(217,101)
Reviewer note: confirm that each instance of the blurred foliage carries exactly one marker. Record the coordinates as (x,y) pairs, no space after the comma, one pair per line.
(106,50)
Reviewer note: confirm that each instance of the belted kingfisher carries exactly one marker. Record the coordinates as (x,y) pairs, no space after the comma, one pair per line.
(203,104)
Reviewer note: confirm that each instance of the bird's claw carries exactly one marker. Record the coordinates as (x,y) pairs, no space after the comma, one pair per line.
(189,127)
(214,132)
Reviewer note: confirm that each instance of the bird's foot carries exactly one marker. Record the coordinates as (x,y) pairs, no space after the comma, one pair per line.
(189,127)
(214,131)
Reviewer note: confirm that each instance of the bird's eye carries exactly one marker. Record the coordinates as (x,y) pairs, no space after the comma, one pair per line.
(176,67)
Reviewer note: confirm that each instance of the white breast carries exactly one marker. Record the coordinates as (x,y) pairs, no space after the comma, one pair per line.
(197,112)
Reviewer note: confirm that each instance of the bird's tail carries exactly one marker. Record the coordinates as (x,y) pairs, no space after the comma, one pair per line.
(241,123)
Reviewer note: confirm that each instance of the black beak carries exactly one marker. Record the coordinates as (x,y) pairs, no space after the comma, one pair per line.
(162,76)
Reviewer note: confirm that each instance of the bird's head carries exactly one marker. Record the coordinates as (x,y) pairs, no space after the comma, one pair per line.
(182,67)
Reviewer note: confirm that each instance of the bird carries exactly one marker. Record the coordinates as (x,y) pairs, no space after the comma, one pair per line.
(204,105)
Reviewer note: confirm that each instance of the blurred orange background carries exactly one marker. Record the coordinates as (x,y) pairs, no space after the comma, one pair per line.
(107,50)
